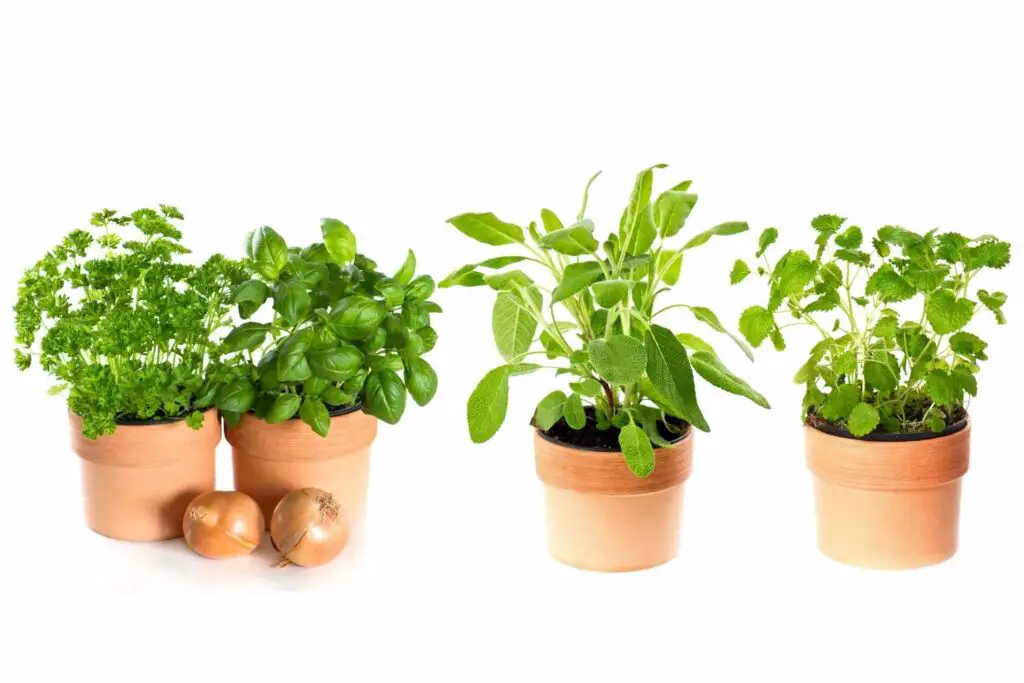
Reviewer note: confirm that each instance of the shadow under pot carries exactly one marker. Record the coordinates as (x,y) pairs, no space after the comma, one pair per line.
(892,504)
(272,460)
(602,517)
(138,481)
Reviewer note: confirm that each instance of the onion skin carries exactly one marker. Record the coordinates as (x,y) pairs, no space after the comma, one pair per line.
(223,524)
(309,527)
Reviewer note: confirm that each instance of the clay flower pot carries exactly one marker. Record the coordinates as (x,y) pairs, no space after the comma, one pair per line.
(272,460)
(888,504)
(138,481)
(600,516)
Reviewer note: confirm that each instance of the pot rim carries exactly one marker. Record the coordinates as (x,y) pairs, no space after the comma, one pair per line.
(151,422)
(903,437)
(595,449)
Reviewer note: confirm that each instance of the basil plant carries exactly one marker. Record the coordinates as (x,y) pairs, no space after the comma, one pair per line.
(894,353)
(630,378)
(340,333)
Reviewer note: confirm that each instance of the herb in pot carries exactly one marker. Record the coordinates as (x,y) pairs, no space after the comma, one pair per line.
(894,354)
(340,333)
(126,330)
(631,378)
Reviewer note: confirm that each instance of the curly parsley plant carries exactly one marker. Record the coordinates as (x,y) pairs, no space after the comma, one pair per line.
(123,327)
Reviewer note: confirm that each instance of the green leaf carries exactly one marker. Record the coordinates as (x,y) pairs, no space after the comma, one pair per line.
(464,276)
(794,271)
(573,412)
(829,223)
(851,238)
(768,237)
(488,228)
(967,344)
(899,236)
(926,278)
(356,317)
(270,252)
(485,411)
(609,293)
(860,258)
(588,386)
(670,265)
(708,317)
(965,380)
(620,359)
(253,292)
(419,288)
(671,211)
(586,194)
(940,387)
(840,402)
(947,313)
(713,371)
(576,278)
(575,240)
(408,269)
(889,285)
(882,372)
(637,450)
(863,419)
(283,408)
(421,380)
(637,230)
(339,240)
(671,377)
(550,410)
(392,290)
(513,324)
(694,342)
(384,395)
(740,270)
(551,221)
(756,323)
(988,254)
(994,301)
(237,396)
(508,281)
(291,301)
(730,228)
(335,364)
(315,414)
(246,336)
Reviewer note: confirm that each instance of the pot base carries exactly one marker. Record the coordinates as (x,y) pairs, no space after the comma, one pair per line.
(879,529)
(614,533)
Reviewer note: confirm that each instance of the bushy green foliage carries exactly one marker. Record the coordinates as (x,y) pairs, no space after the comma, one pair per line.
(340,333)
(125,329)
(597,321)
(894,354)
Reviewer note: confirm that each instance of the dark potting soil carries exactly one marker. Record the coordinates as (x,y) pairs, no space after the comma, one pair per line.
(959,422)
(594,439)
(133,420)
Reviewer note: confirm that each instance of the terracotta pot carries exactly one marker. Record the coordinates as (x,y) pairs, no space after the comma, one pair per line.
(887,505)
(272,460)
(600,516)
(138,481)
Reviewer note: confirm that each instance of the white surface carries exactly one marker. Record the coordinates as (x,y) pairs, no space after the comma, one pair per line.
(394,118)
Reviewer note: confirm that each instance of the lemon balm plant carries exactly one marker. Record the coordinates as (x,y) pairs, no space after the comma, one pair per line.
(889,380)
(631,387)
(894,355)
(339,345)
(131,334)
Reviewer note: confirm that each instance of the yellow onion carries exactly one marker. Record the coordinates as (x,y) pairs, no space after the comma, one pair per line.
(309,527)
(223,524)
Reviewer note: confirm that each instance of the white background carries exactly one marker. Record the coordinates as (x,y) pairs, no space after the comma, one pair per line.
(394,117)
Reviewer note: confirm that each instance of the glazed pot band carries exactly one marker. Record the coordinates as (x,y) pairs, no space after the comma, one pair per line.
(295,441)
(146,446)
(891,466)
(589,471)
